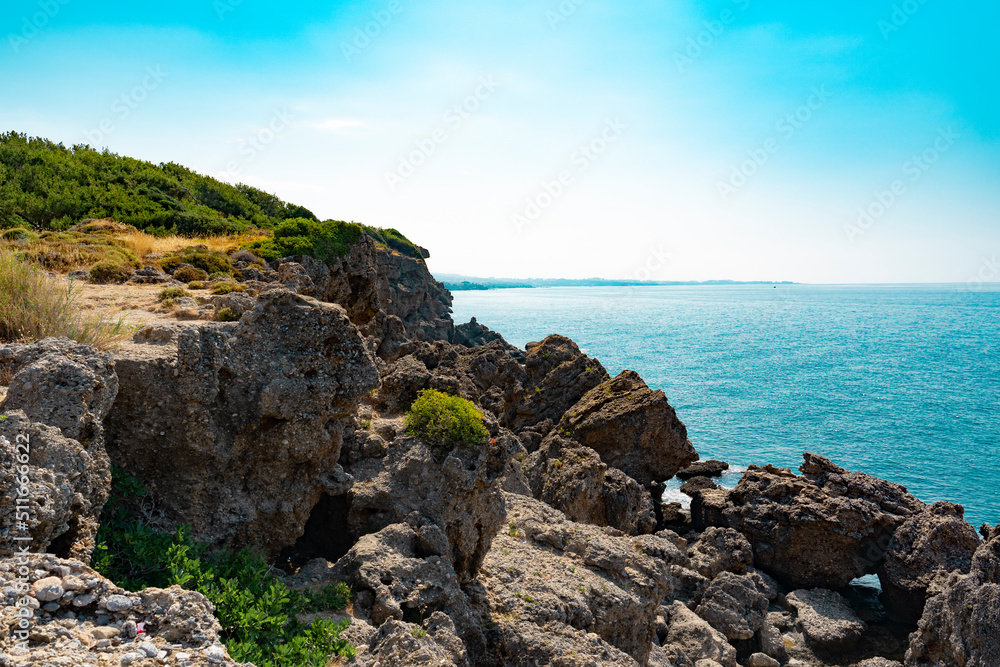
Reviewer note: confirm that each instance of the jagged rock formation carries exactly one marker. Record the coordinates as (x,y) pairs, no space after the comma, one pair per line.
(961,620)
(820,530)
(929,544)
(58,396)
(65,487)
(236,428)
(81,618)
(632,428)
(572,478)
(826,618)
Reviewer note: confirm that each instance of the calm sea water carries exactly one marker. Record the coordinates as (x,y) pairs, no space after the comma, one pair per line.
(902,382)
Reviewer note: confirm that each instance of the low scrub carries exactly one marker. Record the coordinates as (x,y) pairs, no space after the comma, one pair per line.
(445,422)
(34,306)
(256,610)
(209,261)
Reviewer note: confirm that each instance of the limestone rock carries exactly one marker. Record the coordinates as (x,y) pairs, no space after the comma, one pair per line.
(697,639)
(574,480)
(825,618)
(399,643)
(175,619)
(703,469)
(934,542)
(632,428)
(66,484)
(548,571)
(474,334)
(734,605)
(558,375)
(720,549)
(461,494)
(961,620)
(823,529)
(233,426)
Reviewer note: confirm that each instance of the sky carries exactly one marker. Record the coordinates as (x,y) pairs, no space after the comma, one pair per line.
(843,142)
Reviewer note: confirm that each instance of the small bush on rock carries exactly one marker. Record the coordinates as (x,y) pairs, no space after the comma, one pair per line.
(188,274)
(227,315)
(105,272)
(227,288)
(445,422)
(200,257)
(173,293)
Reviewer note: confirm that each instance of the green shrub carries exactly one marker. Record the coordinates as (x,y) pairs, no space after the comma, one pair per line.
(209,261)
(34,306)
(173,293)
(18,234)
(445,422)
(227,315)
(256,610)
(196,284)
(105,272)
(227,288)
(190,274)
(325,241)
(393,239)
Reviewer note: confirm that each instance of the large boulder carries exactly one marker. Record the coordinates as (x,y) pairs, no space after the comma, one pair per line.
(632,427)
(934,542)
(573,479)
(434,642)
(402,573)
(696,639)
(720,550)
(52,489)
(961,620)
(461,493)
(81,618)
(236,428)
(559,375)
(819,530)
(826,619)
(735,605)
(552,572)
(63,384)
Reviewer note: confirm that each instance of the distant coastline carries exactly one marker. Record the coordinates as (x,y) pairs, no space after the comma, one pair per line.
(460,283)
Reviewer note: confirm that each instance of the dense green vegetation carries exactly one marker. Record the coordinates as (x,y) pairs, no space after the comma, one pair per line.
(445,422)
(256,610)
(47,186)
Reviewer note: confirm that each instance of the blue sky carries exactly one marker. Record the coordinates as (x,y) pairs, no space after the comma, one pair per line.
(816,142)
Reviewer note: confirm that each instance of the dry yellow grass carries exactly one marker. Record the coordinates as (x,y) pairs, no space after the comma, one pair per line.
(143,244)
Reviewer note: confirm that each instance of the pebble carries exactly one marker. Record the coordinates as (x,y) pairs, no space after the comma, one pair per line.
(106,632)
(117,603)
(215,654)
(72,583)
(149,648)
(48,589)
(83,600)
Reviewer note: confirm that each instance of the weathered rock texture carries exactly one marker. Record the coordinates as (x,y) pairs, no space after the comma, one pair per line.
(632,428)
(932,543)
(696,639)
(825,618)
(461,494)
(559,375)
(235,428)
(80,618)
(820,530)
(65,486)
(573,479)
(547,571)
(961,620)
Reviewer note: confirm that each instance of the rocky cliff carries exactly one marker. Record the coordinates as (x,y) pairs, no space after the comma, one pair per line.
(546,545)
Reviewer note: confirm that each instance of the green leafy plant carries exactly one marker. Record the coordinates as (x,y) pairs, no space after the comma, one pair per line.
(256,610)
(190,274)
(106,271)
(227,288)
(445,422)
(200,257)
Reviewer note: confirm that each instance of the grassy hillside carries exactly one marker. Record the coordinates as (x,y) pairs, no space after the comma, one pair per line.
(47,188)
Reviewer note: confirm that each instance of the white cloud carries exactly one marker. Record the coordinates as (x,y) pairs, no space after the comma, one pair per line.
(339,125)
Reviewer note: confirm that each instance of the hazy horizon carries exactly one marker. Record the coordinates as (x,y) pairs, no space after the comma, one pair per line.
(855,143)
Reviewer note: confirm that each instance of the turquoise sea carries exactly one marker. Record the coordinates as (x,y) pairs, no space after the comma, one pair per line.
(899,381)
